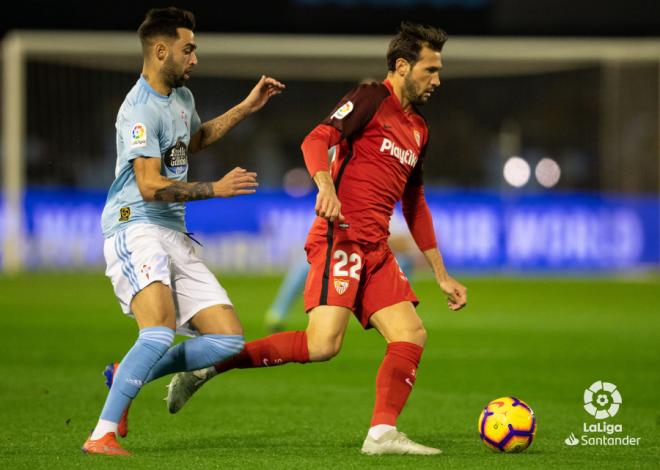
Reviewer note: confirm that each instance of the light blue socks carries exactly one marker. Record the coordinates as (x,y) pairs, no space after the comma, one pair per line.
(133,370)
(197,353)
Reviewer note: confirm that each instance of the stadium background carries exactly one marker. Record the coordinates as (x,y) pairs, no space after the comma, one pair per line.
(590,241)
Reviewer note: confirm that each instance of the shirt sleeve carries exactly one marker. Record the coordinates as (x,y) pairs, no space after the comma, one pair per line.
(418,217)
(350,116)
(415,209)
(195,123)
(141,133)
(316,145)
(355,110)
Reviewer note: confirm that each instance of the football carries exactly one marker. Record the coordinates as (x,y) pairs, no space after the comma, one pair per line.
(507,425)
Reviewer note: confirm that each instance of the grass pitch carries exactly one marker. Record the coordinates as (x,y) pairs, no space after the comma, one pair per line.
(542,340)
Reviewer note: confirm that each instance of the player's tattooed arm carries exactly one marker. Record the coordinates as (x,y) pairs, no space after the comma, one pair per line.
(155,187)
(215,129)
(181,192)
(235,183)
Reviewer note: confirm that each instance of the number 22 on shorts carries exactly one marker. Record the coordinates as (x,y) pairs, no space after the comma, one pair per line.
(344,260)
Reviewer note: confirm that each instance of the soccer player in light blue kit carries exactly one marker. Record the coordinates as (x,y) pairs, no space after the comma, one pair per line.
(151,261)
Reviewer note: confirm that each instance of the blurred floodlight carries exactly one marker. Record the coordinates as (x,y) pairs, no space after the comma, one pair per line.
(296,182)
(547,172)
(516,172)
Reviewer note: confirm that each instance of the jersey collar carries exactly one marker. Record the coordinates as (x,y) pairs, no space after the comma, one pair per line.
(411,108)
(153,92)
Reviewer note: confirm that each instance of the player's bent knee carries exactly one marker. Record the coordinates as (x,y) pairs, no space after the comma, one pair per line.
(420,336)
(325,332)
(218,319)
(320,351)
(416,335)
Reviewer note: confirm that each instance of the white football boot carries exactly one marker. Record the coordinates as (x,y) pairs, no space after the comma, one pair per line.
(395,442)
(184,385)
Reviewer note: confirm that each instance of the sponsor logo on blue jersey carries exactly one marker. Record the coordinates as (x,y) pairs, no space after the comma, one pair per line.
(176,158)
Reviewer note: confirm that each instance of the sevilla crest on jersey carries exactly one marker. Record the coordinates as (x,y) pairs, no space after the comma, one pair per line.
(341,285)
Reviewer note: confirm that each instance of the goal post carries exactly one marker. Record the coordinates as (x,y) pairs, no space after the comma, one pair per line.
(13,133)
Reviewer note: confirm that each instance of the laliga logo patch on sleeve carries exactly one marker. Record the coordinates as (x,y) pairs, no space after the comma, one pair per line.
(138,135)
(343,111)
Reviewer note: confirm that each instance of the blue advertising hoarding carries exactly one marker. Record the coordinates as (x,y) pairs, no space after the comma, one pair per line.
(477,231)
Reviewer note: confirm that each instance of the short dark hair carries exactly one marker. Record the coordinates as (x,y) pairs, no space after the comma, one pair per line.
(164,22)
(409,40)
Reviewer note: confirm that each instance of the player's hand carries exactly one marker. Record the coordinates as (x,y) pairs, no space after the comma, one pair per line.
(328,204)
(235,183)
(266,88)
(456,292)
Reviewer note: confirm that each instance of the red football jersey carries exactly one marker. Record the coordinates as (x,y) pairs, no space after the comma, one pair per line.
(379,156)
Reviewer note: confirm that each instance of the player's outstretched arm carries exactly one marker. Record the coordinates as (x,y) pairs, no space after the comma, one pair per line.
(155,187)
(215,129)
(418,217)
(455,291)
(265,89)
(236,183)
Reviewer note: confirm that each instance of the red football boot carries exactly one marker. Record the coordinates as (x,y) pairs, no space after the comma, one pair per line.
(107,445)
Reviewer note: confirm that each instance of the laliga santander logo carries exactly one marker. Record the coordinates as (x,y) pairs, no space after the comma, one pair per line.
(138,135)
(602,400)
(343,111)
(138,131)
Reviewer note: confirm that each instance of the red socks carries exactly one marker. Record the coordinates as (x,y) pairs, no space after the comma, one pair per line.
(274,350)
(395,380)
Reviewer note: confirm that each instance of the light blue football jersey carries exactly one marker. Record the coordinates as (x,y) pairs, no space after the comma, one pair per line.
(150,125)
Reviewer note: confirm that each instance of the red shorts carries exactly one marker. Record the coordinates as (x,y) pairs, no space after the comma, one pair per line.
(362,277)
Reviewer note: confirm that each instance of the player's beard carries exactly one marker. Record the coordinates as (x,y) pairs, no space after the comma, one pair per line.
(173,78)
(410,89)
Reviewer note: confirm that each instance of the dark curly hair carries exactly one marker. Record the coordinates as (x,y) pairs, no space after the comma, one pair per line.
(164,22)
(409,40)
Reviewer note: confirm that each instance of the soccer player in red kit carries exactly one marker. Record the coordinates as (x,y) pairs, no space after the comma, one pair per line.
(382,142)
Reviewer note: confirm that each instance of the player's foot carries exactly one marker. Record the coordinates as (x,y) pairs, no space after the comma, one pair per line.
(184,384)
(107,445)
(110,372)
(395,442)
